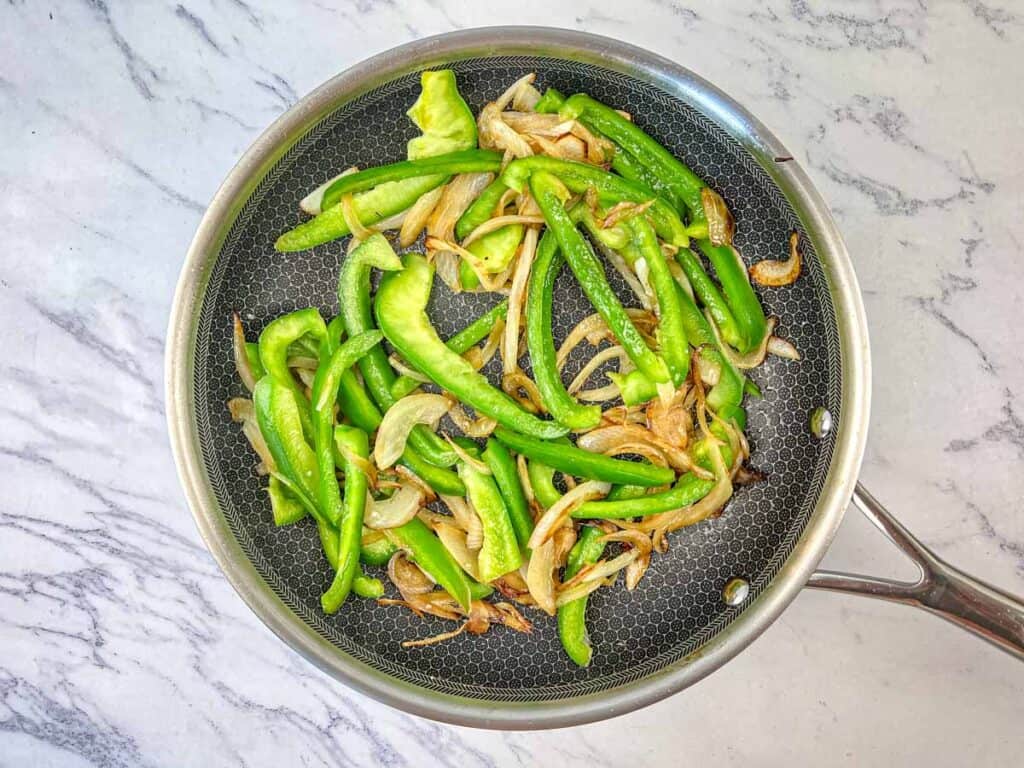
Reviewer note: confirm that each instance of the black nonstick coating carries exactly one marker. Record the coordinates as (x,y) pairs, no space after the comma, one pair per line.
(678,605)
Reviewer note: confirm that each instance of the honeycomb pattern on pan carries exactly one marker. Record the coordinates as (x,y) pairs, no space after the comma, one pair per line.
(678,605)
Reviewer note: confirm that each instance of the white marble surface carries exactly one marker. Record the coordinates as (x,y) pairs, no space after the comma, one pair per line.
(120,642)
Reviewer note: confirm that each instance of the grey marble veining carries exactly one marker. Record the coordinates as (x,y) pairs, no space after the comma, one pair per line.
(121,643)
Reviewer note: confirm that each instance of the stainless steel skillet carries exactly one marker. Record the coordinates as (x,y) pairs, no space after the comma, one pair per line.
(682,623)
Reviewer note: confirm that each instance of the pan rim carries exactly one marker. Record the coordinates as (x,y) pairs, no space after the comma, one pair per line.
(228,201)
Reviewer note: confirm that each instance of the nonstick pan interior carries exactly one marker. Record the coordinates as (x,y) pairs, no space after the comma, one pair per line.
(678,606)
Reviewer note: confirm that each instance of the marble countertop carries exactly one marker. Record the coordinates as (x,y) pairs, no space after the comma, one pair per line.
(122,644)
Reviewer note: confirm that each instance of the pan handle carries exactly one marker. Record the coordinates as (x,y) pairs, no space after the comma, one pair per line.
(940,588)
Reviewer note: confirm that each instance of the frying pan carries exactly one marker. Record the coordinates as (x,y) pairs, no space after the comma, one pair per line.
(722,581)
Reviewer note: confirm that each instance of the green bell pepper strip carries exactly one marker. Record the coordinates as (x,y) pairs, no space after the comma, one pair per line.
(679,184)
(503,468)
(671,333)
(683,186)
(464,161)
(460,343)
(481,209)
(354,299)
(630,168)
(333,363)
(542,481)
(550,102)
(352,397)
(353,443)
(688,490)
(499,553)
(572,628)
(366,586)
(273,347)
(540,340)
(580,463)
(579,177)
(710,296)
(285,507)
(370,207)
(589,272)
(278,415)
(468,278)
(429,554)
(725,397)
(252,353)
(615,237)
(378,552)
(751,388)
(619,492)
(401,314)
(739,293)
(700,451)
(440,479)
(495,250)
(446,122)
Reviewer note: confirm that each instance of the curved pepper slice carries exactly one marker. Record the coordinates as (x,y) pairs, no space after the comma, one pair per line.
(549,193)
(671,334)
(580,463)
(352,443)
(273,347)
(464,161)
(401,314)
(499,553)
(688,490)
(540,340)
(354,299)
(503,467)
(572,628)
(333,363)
(279,418)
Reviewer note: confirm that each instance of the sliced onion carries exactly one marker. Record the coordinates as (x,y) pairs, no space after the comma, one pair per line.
(572,148)
(540,576)
(523,390)
(434,639)
(242,366)
(399,421)
(355,226)
(624,211)
(545,146)
(407,577)
(465,456)
(626,438)
(548,125)
(782,348)
(605,355)
(401,368)
(644,295)
(454,540)
(460,509)
(592,578)
(599,149)
(306,376)
(751,359)
(721,225)
(509,94)
(478,357)
(458,194)
(242,412)
(564,538)
(516,299)
(772,272)
(524,478)
(312,203)
(494,133)
(669,421)
(411,478)
(398,509)
(497,223)
(416,218)
(475,529)
(592,328)
(480,427)
(446,265)
(701,510)
(526,97)
(560,511)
